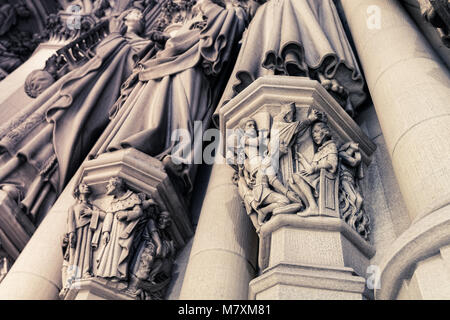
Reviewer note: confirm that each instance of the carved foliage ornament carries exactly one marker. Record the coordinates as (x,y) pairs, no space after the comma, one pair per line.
(289,163)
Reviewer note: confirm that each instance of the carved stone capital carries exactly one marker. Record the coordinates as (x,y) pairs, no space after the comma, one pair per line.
(133,219)
(298,158)
(295,151)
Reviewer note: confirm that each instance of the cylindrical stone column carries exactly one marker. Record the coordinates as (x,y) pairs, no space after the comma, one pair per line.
(36,274)
(410,88)
(223,256)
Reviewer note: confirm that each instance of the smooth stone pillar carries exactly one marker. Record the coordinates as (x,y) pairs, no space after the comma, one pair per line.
(410,88)
(223,256)
(36,274)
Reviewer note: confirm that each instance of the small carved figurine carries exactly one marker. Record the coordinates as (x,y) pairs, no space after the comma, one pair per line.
(154,259)
(306,181)
(351,200)
(78,245)
(122,216)
(258,184)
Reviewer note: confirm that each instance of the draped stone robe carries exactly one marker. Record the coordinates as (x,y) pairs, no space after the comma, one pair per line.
(53,134)
(112,259)
(176,88)
(79,224)
(296,38)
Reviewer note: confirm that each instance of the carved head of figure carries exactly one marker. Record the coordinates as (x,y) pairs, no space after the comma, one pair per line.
(37,82)
(354,147)
(287,113)
(320,133)
(249,126)
(115,186)
(164,220)
(82,190)
(134,21)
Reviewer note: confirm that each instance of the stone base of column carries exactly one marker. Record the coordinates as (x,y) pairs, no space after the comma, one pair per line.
(307,282)
(310,258)
(97,289)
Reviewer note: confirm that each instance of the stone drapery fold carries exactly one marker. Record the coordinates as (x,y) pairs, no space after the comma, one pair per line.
(54,133)
(296,38)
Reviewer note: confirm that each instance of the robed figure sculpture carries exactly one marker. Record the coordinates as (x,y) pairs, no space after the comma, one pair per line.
(42,146)
(302,38)
(178,86)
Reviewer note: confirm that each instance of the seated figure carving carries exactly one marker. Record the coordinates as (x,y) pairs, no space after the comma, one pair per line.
(263,193)
(306,181)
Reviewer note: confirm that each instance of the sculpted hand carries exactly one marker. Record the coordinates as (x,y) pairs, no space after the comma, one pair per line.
(121,216)
(87,213)
(309,171)
(105,238)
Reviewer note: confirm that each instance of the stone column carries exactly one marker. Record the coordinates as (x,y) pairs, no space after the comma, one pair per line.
(223,256)
(410,88)
(36,274)
(318,256)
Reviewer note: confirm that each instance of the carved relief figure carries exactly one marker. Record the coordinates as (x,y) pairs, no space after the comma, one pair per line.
(284,132)
(351,199)
(263,193)
(297,168)
(42,146)
(118,231)
(127,241)
(306,181)
(153,259)
(79,243)
(299,38)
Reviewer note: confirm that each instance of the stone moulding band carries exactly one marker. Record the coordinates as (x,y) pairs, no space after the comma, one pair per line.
(306,276)
(422,240)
